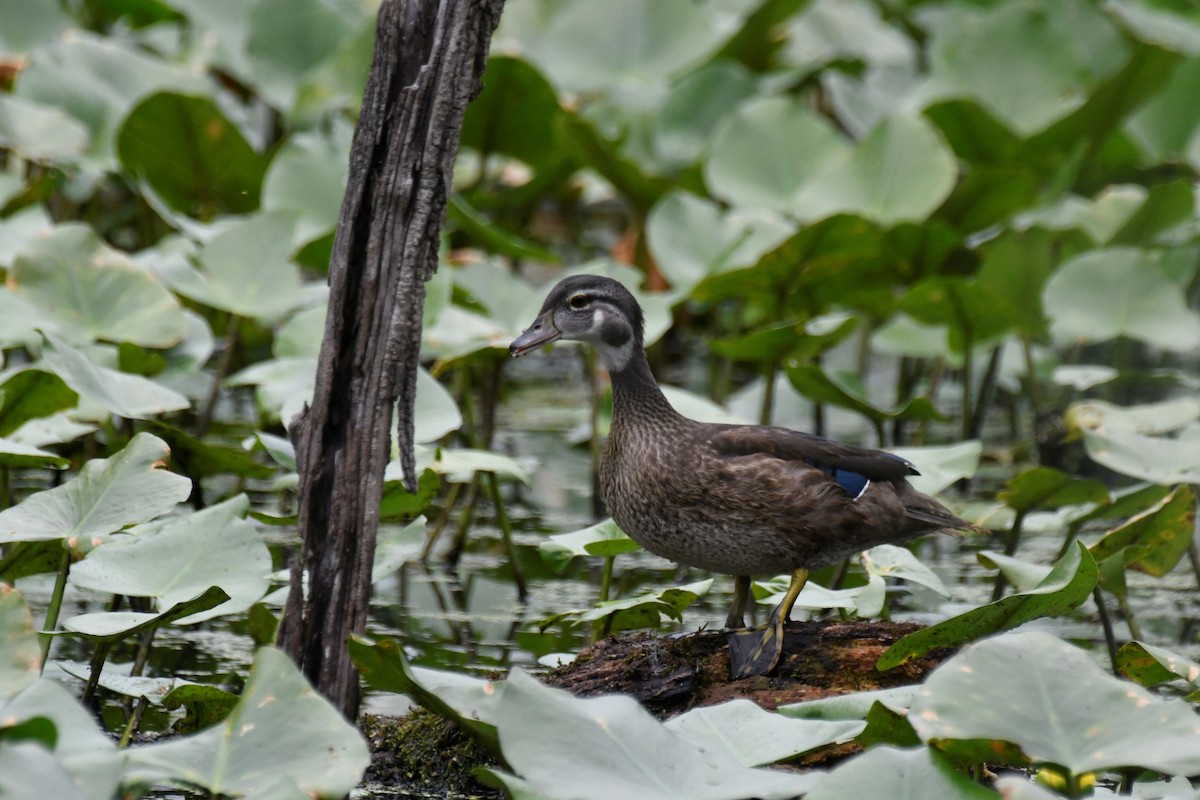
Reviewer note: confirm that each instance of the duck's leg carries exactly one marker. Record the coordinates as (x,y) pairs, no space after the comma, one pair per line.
(756,652)
(737,611)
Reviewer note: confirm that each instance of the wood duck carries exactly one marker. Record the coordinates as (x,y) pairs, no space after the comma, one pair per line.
(741,500)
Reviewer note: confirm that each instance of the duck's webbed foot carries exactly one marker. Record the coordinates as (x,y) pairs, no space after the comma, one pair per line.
(756,651)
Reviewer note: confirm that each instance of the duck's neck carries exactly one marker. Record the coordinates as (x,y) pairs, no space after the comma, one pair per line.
(635,391)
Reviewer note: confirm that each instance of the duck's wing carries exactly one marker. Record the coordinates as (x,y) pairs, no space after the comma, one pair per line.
(816,451)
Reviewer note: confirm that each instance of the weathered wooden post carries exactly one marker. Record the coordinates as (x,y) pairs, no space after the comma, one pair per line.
(429,56)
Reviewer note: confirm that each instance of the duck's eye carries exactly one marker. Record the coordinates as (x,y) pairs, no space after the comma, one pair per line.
(579,301)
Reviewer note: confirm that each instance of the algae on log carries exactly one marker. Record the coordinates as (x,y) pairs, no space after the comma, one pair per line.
(668,675)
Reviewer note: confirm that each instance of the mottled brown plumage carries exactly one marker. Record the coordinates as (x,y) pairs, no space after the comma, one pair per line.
(737,499)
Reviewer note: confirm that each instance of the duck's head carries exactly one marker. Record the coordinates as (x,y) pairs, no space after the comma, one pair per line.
(587,308)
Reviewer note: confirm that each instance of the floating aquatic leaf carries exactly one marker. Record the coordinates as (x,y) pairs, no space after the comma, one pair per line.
(1046,487)
(892,772)
(107,495)
(638,611)
(892,561)
(1154,540)
(193,156)
(855,705)
(941,466)
(260,741)
(28,770)
(543,731)
(177,558)
(1023,575)
(110,627)
(470,703)
(1066,586)
(602,539)
(119,393)
(80,747)
(1085,720)
(1150,665)
(754,736)
(94,291)
(20,654)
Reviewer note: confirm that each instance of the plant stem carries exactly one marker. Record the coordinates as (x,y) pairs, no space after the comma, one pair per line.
(5,489)
(506,534)
(464,523)
(600,628)
(1010,547)
(1110,638)
(768,400)
(223,365)
(1135,630)
(97,666)
(135,721)
(60,585)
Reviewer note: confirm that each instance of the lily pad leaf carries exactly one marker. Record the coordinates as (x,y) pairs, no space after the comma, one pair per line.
(124,395)
(1046,487)
(199,458)
(1119,291)
(308,175)
(1155,539)
(901,172)
(246,270)
(602,539)
(855,705)
(1085,720)
(174,559)
(893,772)
(20,654)
(638,611)
(193,156)
(892,561)
(110,627)
(116,679)
(468,702)
(1070,583)
(1111,440)
(28,770)
(841,390)
(260,742)
(94,291)
(32,394)
(20,455)
(756,737)
(87,754)
(1150,665)
(203,705)
(543,731)
(1023,575)
(107,495)
(941,466)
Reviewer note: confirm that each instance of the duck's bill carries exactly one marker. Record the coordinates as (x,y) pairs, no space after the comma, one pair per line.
(541,332)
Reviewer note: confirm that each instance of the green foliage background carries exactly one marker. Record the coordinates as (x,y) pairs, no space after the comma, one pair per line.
(903,222)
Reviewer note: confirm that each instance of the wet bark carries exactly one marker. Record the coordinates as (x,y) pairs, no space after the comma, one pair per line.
(429,56)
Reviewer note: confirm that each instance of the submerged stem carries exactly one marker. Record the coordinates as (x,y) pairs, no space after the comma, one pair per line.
(601,628)
(60,584)
(506,534)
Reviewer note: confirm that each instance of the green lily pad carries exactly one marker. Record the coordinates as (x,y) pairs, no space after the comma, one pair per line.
(267,292)
(40,133)
(1119,291)
(203,706)
(29,27)
(1154,540)
(1084,720)
(395,545)
(308,176)
(1046,487)
(543,731)
(1150,665)
(20,653)
(638,611)
(514,114)
(766,150)
(193,156)
(756,737)
(31,394)
(468,702)
(602,539)
(1116,440)
(107,495)
(94,291)
(941,466)
(692,237)
(842,390)
(199,458)
(1070,583)
(279,728)
(110,627)
(1023,575)
(19,455)
(120,393)
(892,772)
(892,561)
(28,770)
(175,559)
(901,172)
(115,678)
(855,705)
(88,755)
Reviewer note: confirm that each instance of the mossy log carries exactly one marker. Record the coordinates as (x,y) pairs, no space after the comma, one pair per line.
(668,675)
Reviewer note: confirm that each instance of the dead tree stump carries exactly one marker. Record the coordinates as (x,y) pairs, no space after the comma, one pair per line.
(429,56)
